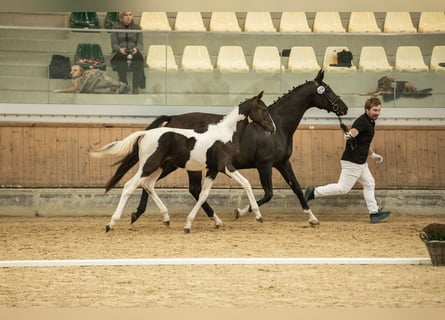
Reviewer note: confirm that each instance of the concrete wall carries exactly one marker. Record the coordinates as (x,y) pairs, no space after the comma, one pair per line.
(80,202)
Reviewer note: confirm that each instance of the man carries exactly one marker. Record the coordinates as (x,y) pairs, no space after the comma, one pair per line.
(127,50)
(354,162)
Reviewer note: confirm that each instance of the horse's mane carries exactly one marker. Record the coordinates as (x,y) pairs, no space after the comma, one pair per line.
(287,94)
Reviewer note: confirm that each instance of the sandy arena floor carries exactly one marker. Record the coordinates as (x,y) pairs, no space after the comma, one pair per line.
(225,286)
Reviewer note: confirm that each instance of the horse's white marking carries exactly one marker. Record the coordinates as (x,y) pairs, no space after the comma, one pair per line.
(248,188)
(312,218)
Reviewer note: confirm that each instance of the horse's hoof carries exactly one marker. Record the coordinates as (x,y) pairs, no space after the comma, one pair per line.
(107,228)
(314,222)
(236,214)
(166,223)
(186,230)
(134,217)
(260,219)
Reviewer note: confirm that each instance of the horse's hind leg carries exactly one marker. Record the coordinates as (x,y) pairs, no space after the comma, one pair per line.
(149,186)
(248,188)
(167,168)
(129,188)
(289,176)
(142,206)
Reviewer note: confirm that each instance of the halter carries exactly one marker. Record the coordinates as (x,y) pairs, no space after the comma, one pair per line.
(321,90)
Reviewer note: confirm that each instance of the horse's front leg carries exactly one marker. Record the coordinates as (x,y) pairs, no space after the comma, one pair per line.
(265,174)
(128,189)
(248,188)
(195,178)
(203,195)
(289,176)
(149,186)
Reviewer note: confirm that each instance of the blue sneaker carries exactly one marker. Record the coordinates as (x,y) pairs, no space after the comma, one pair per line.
(379,216)
(309,194)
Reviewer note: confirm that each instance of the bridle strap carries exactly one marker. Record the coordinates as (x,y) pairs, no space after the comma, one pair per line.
(321,90)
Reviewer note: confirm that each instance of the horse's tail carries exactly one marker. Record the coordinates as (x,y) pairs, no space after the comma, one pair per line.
(131,159)
(118,148)
(160,121)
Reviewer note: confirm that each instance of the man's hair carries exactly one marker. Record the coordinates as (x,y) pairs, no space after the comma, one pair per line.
(372,102)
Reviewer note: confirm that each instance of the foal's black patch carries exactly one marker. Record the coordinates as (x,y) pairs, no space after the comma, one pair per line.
(172,147)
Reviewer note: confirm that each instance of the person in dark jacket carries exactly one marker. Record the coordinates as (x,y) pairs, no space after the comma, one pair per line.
(127,50)
(354,165)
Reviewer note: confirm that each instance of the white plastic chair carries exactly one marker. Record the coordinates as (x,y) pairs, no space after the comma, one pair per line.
(330,57)
(161,58)
(294,22)
(189,21)
(303,59)
(266,59)
(231,59)
(398,22)
(328,22)
(410,58)
(157,21)
(259,22)
(224,21)
(431,22)
(196,59)
(374,59)
(437,56)
(363,21)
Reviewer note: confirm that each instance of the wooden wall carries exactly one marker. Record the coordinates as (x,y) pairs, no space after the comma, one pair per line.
(56,155)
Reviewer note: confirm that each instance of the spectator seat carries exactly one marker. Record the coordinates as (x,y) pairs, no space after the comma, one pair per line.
(398,22)
(259,22)
(373,58)
(161,58)
(438,56)
(328,22)
(189,21)
(363,21)
(294,22)
(224,21)
(303,59)
(330,59)
(410,58)
(431,22)
(196,58)
(154,21)
(110,19)
(266,59)
(231,59)
(84,20)
(90,55)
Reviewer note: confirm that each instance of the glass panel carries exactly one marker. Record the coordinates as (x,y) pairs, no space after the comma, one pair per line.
(24,77)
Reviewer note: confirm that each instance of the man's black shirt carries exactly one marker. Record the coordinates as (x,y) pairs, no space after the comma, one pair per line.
(359,154)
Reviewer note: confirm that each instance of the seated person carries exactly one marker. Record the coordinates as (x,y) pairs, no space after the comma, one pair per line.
(127,51)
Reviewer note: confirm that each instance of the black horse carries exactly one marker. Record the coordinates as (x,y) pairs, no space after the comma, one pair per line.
(257,150)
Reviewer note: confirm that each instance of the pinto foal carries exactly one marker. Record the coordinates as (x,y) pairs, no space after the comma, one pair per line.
(212,150)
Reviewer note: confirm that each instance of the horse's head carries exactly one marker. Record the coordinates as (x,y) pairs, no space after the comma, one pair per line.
(326,98)
(256,110)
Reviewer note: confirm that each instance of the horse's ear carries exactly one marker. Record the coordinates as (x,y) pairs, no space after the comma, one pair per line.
(320,76)
(260,95)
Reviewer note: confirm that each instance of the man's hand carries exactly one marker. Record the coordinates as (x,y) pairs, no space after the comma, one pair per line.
(378,158)
(348,136)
